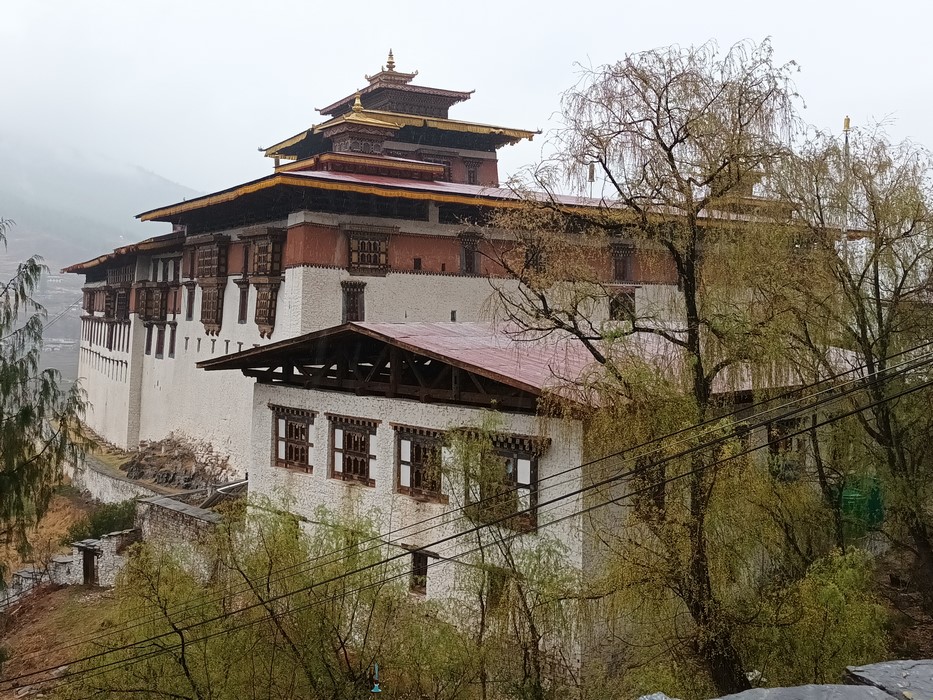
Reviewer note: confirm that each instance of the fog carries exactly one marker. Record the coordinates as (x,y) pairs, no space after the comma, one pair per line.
(189,89)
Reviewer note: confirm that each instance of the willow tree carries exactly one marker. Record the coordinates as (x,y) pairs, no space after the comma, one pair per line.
(678,139)
(864,221)
(39,414)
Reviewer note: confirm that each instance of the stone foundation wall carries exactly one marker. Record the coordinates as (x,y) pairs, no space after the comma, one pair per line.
(182,529)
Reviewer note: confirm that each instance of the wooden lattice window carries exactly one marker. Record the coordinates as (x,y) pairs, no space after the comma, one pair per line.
(469,244)
(212,260)
(622,305)
(369,251)
(419,462)
(623,259)
(189,303)
(151,303)
(243,306)
(418,583)
(160,341)
(354,308)
(120,275)
(351,457)
(502,485)
(266,298)
(212,307)
(122,305)
(110,302)
(267,257)
(786,448)
(472,166)
(292,444)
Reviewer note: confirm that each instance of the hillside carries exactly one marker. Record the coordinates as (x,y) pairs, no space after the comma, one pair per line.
(69,205)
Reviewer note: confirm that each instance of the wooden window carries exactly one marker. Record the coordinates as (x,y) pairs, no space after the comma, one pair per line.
(110,302)
(267,257)
(243,309)
(120,275)
(212,307)
(472,166)
(151,303)
(149,339)
(267,296)
(292,445)
(160,342)
(623,258)
(88,303)
(622,305)
(351,457)
(189,305)
(469,244)
(369,251)
(166,267)
(497,580)
(212,260)
(171,341)
(190,266)
(534,257)
(419,573)
(122,305)
(418,455)
(649,487)
(504,484)
(176,269)
(786,451)
(353,301)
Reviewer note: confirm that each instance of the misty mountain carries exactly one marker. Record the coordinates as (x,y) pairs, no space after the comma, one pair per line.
(70,206)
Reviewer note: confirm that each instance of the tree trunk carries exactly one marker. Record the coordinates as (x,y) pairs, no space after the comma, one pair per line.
(716,646)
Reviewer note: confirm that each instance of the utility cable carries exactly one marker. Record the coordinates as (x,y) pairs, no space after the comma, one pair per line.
(477,528)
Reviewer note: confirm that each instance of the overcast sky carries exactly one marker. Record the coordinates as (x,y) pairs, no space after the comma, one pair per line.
(190,88)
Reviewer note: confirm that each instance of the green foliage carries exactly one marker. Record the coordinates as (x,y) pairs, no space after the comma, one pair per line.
(809,631)
(314,631)
(106,517)
(39,416)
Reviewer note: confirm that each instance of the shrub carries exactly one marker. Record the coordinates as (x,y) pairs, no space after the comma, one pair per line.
(107,517)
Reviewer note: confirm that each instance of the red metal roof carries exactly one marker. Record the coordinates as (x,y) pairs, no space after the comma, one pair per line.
(539,364)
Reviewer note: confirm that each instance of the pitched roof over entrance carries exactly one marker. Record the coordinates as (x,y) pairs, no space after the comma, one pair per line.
(472,363)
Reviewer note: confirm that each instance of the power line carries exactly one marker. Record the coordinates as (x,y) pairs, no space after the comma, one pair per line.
(381,540)
(474,529)
(163,650)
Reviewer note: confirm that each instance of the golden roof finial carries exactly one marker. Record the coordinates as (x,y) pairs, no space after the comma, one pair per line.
(357,105)
(390,62)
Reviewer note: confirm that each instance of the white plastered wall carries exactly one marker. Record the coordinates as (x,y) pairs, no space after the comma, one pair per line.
(305,493)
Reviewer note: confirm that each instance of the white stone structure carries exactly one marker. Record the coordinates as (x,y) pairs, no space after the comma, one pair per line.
(381,446)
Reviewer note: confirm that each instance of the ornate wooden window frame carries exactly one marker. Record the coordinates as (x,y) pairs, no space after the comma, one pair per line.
(407,478)
(211,259)
(286,445)
(513,500)
(363,431)
(368,248)
(353,301)
(623,261)
(469,248)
